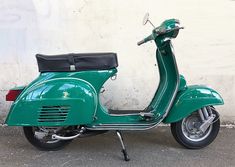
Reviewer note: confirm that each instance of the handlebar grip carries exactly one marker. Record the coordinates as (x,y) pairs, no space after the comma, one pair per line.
(141,42)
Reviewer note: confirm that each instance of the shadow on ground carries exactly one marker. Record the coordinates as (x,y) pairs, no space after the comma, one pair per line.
(155,147)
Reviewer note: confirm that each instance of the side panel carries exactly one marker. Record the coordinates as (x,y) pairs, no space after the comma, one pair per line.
(54,102)
(192,99)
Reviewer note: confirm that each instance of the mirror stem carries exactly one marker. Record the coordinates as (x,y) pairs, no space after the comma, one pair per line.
(151,23)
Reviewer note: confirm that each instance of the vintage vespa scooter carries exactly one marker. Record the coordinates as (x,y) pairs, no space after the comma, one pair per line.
(63,102)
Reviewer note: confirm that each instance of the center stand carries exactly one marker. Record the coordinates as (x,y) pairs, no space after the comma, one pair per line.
(126,157)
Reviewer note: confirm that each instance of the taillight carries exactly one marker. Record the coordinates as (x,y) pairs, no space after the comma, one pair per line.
(13,94)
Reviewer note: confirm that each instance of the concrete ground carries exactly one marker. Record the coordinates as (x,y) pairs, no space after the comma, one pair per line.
(155,147)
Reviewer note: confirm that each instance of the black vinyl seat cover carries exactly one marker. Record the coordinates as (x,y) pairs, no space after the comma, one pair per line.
(76,62)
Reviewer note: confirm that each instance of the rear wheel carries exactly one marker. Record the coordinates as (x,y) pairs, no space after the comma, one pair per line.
(187,132)
(41,137)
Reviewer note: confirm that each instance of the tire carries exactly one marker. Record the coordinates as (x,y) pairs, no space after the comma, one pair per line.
(179,132)
(42,144)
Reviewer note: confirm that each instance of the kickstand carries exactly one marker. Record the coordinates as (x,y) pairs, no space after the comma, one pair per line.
(126,157)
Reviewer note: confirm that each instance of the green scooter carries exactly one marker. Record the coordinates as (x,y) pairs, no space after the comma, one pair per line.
(63,102)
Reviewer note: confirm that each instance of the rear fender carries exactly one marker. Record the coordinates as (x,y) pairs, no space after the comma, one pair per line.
(191,99)
(54,102)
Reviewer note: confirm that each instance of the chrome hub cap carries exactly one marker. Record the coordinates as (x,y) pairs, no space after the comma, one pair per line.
(44,134)
(190,128)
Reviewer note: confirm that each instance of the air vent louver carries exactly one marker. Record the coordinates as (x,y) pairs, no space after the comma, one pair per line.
(53,113)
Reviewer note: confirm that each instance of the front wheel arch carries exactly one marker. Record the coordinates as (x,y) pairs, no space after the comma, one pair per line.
(190,100)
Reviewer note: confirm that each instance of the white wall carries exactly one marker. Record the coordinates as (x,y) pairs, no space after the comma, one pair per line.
(205,49)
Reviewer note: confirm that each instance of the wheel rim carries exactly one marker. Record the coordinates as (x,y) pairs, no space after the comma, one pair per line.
(190,128)
(44,134)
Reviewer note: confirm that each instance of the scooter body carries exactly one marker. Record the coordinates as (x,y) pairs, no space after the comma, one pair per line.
(76,94)
(71,98)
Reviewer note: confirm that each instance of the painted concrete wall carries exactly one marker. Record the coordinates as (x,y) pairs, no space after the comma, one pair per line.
(205,50)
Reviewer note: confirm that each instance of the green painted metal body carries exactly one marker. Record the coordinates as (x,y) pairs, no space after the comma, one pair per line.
(74,90)
(72,98)
(191,99)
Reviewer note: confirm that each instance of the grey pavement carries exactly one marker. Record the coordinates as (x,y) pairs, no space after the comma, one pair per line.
(155,147)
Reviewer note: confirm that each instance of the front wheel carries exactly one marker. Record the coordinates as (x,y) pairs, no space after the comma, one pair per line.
(187,133)
(41,137)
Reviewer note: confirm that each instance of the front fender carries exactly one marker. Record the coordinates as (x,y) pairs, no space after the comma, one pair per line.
(54,102)
(190,100)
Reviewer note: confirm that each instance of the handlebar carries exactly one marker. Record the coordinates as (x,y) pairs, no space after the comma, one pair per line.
(149,38)
(159,32)
(141,42)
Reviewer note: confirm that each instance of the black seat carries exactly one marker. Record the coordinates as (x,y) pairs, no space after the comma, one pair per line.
(76,62)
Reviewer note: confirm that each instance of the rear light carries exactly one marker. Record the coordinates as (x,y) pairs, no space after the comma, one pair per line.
(13,94)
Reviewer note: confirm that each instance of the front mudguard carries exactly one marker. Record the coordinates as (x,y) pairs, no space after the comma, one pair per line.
(191,99)
(54,102)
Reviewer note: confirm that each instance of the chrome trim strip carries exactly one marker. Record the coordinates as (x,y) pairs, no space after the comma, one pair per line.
(177,84)
(127,124)
(124,126)
(123,114)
